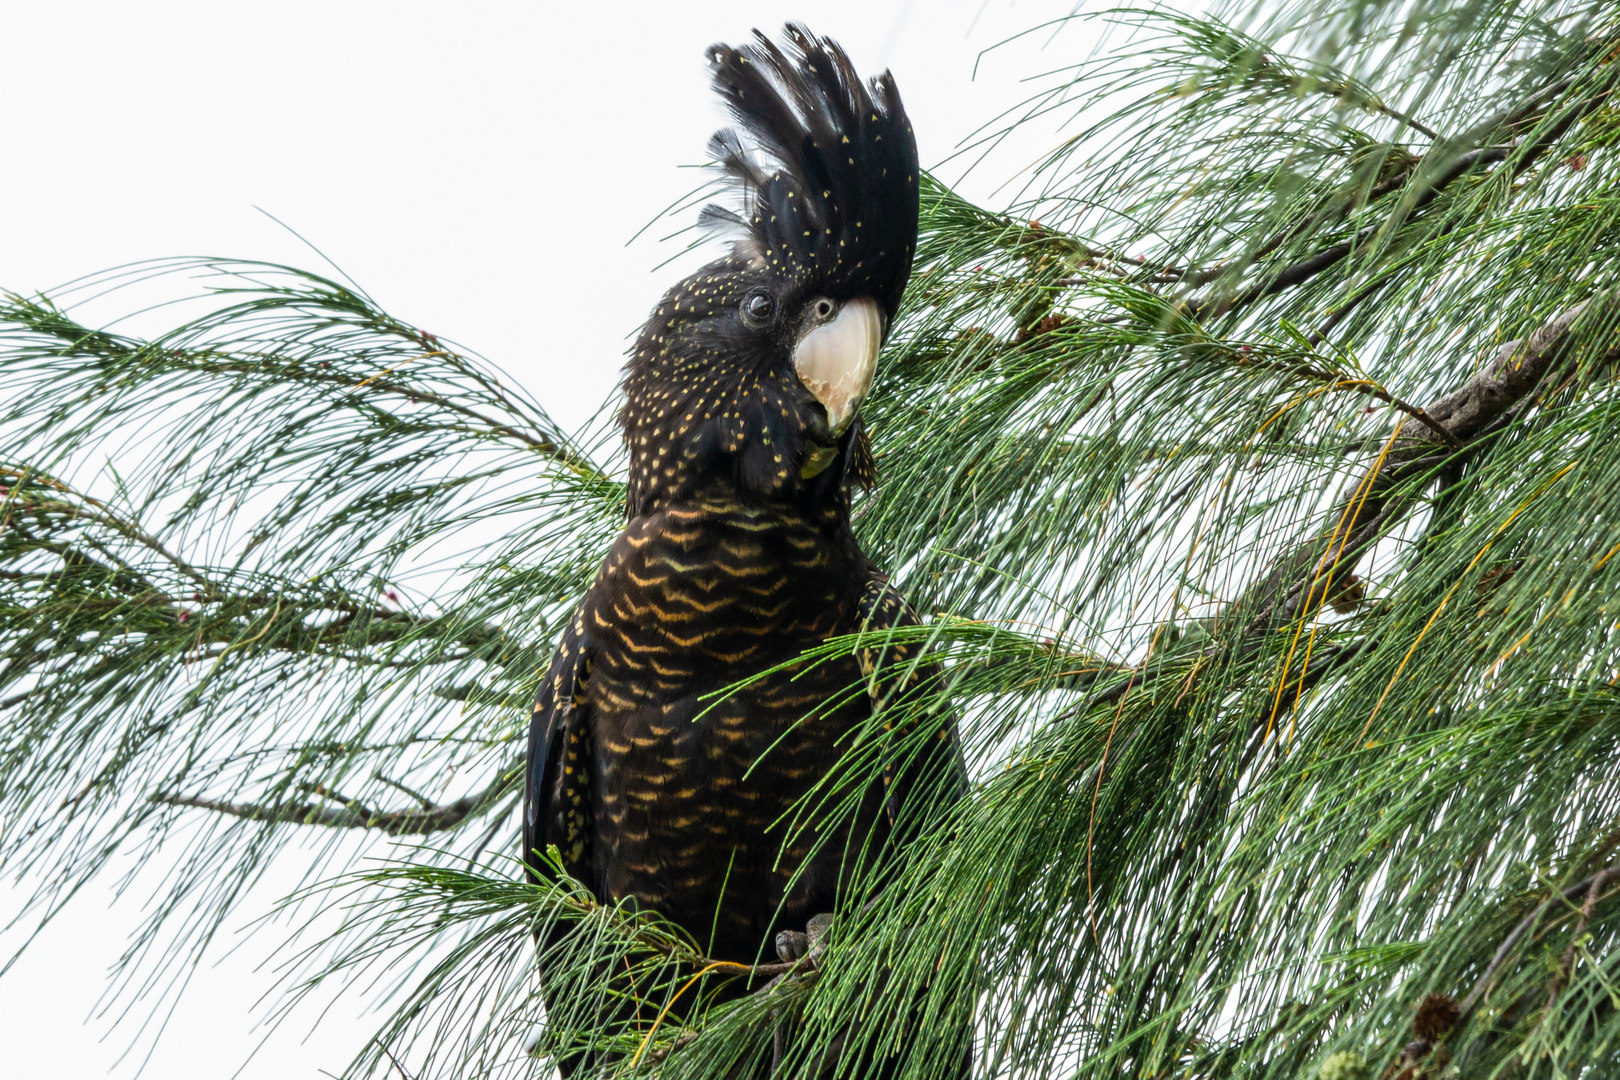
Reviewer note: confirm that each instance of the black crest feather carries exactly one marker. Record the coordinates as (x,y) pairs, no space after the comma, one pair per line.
(826,166)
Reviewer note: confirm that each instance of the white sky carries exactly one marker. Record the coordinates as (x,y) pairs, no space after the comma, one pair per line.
(478,168)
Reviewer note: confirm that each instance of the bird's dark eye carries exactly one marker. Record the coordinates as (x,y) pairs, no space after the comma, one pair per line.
(824,308)
(759,307)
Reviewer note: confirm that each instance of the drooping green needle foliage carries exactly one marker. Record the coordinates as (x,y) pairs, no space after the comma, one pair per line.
(1258,467)
(266,572)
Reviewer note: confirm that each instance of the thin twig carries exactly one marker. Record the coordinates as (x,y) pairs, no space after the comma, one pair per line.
(105,515)
(427,803)
(394,1059)
(1372,389)
(1568,963)
(1420,197)
(417,821)
(338,797)
(1505,950)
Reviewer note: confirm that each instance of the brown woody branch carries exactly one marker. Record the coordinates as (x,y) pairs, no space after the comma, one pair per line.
(1301,579)
(100,513)
(48,320)
(1592,886)
(1422,190)
(1594,893)
(541,444)
(1305,578)
(1372,389)
(1307,268)
(1525,160)
(412,821)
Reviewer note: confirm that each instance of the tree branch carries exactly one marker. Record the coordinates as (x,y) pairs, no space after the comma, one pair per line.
(100,513)
(1567,964)
(1595,884)
(541,444)
(1366,506)
(1296,582)
(103,346)
(414,821)
(1372,389)
(1420,196)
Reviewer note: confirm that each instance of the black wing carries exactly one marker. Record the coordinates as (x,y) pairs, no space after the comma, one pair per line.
(925,763)
(556,796)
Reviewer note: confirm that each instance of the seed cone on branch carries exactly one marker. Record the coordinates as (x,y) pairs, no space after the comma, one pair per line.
(1436,1015)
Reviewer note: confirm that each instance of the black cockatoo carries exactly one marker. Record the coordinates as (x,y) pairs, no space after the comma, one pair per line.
(742,419)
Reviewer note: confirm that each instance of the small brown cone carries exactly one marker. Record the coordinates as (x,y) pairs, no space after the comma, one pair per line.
(1347,595)
(1436,1015)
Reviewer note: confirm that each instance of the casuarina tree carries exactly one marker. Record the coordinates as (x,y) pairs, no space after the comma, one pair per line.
(1253,472)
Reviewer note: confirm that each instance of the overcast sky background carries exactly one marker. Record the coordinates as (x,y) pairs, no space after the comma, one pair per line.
(478,169)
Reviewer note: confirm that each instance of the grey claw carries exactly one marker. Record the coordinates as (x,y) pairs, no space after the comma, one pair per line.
(791,946)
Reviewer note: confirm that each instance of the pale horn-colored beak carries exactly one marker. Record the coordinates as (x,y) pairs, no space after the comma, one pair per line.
(836,360)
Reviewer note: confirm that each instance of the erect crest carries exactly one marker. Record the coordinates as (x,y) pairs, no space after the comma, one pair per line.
(827,169)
